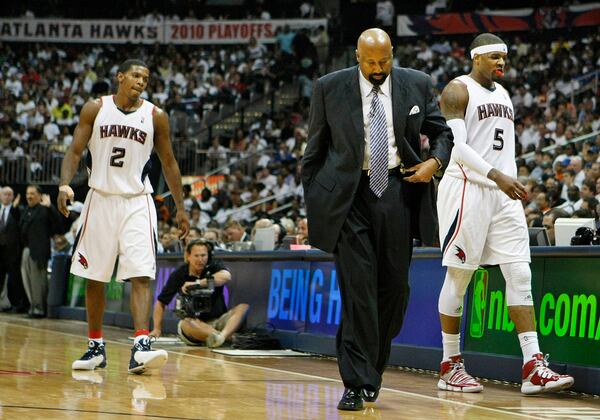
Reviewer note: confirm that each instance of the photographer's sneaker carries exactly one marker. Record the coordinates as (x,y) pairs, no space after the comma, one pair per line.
(215,340)
(94,357)
(538,378)
(143,357)
(454,377)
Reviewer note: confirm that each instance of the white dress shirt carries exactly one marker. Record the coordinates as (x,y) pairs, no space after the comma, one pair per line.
(385,96)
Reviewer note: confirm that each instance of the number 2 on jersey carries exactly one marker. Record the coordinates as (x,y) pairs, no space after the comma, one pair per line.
(119,154)
(498,140)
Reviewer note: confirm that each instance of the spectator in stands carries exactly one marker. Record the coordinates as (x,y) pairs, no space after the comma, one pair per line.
(320,40)
(543,202)
(588,190)
(39,222)
(302,229)
(549,220)
(196,234)
(215,326)
(213,235)
(569,203)
(10,250)
(385,15)
(51,130)
(235,232)
(188,199)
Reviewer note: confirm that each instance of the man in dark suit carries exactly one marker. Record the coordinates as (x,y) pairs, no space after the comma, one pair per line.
(39,221)
(10,250)
(368,193)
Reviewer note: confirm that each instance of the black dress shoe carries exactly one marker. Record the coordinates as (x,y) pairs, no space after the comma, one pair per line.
(351,400)
(368,395)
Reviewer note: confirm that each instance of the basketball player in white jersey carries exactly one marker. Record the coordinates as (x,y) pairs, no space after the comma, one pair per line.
(119,217)
(482,219)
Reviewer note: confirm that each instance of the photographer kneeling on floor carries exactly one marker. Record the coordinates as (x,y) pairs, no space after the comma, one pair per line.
(201,304)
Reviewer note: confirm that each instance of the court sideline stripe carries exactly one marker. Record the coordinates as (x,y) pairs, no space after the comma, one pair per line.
(112,413)
(321,378)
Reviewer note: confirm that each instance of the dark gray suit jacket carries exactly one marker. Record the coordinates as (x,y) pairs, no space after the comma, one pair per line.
(332,162)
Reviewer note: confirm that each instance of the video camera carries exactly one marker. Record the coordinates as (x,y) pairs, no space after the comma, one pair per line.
(197,301)
(585,236)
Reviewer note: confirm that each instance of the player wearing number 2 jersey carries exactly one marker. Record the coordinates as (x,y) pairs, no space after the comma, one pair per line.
(119,218)
(482,219)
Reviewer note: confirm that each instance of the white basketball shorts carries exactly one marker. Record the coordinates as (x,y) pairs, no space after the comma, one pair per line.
(480,225)
(116,226)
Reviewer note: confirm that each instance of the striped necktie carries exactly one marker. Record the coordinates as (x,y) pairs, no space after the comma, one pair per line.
(378,165)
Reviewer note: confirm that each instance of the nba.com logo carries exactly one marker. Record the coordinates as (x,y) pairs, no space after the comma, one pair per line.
(479,299)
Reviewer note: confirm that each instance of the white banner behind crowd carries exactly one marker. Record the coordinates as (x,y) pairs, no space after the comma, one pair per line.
(140,32)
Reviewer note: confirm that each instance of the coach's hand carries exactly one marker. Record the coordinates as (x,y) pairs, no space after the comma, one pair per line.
(423,172)
(510,186)
(182,223)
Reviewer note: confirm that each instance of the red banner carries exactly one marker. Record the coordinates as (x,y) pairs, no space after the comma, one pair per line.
(501,21)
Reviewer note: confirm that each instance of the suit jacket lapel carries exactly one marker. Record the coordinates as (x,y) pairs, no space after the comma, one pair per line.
(399,106)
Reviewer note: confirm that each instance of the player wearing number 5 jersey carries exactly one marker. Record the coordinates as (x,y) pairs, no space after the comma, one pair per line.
(119,218)
(482,219)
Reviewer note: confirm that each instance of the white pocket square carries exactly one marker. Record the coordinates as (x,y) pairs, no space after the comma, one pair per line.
(414,110)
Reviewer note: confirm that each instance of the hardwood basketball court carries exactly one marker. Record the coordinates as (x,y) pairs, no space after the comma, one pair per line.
(36,381)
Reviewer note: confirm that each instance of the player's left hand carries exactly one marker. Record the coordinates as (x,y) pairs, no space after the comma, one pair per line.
(182,223)
(423,172)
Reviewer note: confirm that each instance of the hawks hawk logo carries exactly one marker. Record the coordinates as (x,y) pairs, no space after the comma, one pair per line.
(83,261)
(460,254)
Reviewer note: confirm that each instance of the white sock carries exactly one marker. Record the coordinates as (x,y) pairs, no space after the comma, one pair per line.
(529,345)
(138,338)
(98,341)
(451,344)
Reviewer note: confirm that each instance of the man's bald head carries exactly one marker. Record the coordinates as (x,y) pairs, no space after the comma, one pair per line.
(374,54)
(374,38)
(6,196)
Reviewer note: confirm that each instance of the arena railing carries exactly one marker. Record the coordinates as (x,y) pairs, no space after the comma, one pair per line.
(41,165)
(579,139)
(204,162)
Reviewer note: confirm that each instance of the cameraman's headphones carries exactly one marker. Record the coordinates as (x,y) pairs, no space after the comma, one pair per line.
(208,244)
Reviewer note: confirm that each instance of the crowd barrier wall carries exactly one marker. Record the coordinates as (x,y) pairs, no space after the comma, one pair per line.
(295,294)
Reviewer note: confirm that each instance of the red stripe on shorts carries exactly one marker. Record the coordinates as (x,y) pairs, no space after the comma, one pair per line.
(460,210)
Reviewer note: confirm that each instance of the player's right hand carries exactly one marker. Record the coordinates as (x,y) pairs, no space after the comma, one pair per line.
(182,223)
(510,186)
(65,195)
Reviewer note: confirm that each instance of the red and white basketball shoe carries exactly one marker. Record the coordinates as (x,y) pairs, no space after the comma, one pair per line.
(454,377)
(538,378)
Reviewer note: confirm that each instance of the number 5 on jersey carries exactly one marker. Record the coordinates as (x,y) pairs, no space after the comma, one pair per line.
(118,153)
(498,140)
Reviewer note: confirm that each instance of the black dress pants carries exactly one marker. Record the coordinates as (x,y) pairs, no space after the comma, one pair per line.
(10,270)
(372,259)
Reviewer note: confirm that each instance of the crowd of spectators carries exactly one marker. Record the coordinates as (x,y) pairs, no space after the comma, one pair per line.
(554,90)
(548,77)
(44,86)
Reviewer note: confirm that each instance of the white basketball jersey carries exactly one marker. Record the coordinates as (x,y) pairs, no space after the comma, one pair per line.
(120,148)
(490,125)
